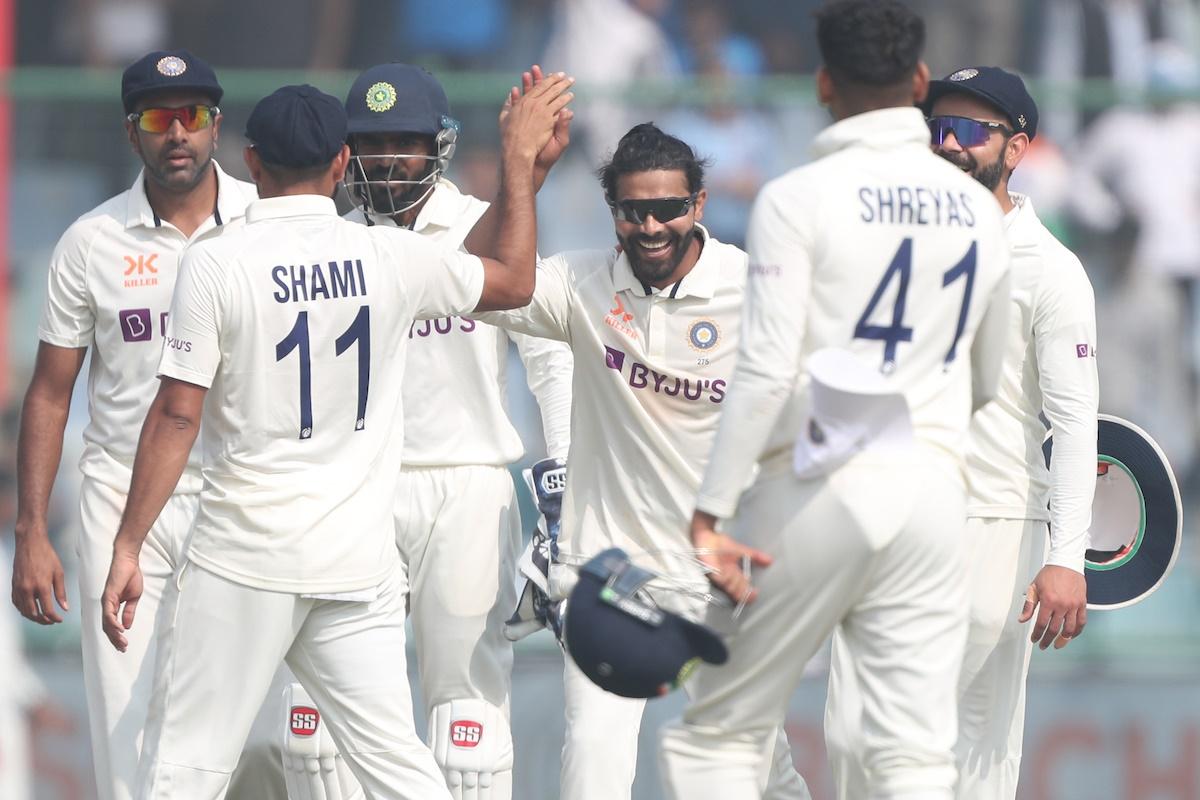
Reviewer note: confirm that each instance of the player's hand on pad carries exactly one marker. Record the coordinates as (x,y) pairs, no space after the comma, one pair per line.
(123,588)
(726,557)
(37,579)
(1059,596)
(530,119)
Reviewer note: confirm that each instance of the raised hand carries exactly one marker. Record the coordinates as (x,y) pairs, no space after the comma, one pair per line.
(531,117)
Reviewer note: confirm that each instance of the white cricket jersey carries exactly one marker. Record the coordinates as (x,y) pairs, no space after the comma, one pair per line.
(878,247)
(110,284)
(651,374)
(298,322)
(1050,367)
(455,387)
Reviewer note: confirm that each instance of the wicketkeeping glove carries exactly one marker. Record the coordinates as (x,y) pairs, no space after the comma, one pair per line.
(547,480)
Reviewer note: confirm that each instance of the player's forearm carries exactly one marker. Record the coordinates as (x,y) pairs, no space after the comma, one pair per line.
(548,371)
(166,440)
(751,411)
(516,247)
(39,451)
(1072,485)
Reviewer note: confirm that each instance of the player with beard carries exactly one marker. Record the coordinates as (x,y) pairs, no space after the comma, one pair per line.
(654,327)
(111,280)
(982,120)
(458,525)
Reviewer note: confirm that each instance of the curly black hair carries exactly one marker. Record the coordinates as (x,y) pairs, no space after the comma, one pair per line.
(647,148)
(875,43)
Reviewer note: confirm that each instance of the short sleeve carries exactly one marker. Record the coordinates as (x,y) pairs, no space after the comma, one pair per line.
(68,317)
(548,314)
(191,349)
(441,281)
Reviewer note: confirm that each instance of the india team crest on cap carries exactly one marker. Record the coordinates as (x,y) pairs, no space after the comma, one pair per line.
(171,66)
(703,334)
(381,96)
(964,74)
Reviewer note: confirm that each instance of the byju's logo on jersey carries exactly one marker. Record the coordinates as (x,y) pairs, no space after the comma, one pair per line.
(618,318)
(465,733)
(642,377)
(1084,350)
(303,720)
(135,324)
(703,335)
(140,271)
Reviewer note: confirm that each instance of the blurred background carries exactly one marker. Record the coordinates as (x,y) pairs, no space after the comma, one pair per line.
(1114,171)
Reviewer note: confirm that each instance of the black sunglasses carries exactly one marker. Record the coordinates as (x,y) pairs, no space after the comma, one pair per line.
(967,132)
(663,209)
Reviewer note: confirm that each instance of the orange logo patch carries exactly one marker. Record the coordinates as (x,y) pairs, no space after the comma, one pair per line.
(618,318)
(143,268)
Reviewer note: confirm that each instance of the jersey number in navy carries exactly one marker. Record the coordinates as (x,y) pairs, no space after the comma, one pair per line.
(901,268)
(297,339)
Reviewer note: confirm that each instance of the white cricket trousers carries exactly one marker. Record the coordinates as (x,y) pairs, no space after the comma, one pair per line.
(877,548)
(221,644)
(459,533)
(599,758)
(1003,558)
(119,685)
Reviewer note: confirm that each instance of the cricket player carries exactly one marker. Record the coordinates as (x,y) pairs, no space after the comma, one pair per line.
(982,120)
(110,284)
(654,329)
(458,524)
(293,554)
(876,310)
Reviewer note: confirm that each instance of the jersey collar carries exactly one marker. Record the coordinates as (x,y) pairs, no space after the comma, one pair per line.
(701,280)
(292,205)
(885,129)
(231,201)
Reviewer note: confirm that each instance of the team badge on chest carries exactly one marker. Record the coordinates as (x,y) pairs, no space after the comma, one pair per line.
(703,335)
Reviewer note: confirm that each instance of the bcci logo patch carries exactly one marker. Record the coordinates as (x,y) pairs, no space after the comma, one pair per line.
(465,733)
(303,720)
(964,74)
(703,335)
(171,66)
(381,96)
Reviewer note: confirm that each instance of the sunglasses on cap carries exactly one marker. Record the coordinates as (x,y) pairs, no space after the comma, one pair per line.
(663,209)
(158,120)
(967,132)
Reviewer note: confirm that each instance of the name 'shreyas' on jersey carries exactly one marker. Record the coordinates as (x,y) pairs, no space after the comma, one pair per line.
(456,381)
(299,325)
(652,371)
(878,247)
(109,288)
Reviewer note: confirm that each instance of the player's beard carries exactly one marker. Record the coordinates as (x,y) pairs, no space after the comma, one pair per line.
(651,271)
(391,198)
(988,174)
(179,179)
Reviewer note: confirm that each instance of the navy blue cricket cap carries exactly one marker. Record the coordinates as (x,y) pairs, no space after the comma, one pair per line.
(625,644)
(397,98)
(168,70)
(297,126)
(1000,88)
